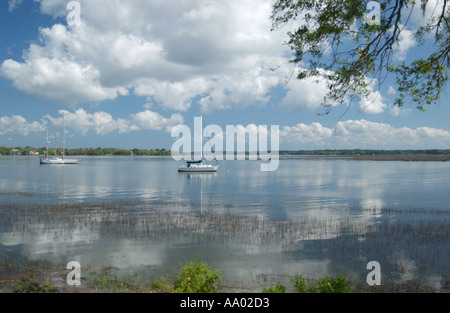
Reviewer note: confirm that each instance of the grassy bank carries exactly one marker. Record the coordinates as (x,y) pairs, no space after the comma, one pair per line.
(194,277)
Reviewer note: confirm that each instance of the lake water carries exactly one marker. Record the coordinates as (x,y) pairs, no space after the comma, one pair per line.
(353,212)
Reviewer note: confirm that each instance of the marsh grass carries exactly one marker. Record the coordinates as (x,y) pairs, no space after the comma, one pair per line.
(127,221)
(28,285)
(25,276)
(337,284)
(10,265)
(16,193)
(115,284)
(393,237)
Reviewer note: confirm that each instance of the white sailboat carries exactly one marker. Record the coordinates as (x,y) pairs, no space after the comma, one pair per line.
(58,160)
(198,166)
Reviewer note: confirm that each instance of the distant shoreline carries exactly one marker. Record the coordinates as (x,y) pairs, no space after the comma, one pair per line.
(442,155)
(381,157)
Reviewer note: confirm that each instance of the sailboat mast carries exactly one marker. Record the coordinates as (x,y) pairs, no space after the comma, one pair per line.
(46,132)
(201,130)
(63,127)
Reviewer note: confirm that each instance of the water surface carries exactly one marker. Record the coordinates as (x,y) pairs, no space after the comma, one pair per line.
(347,213)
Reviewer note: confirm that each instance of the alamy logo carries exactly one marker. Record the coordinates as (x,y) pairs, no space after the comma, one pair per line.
(374,15)
(74,16)
(374,277)
(236,139)
(74,277)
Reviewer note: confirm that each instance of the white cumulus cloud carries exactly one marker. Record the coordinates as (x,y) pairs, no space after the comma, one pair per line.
(103,123)
(173,52)
(19,125)
(405,42)
(364,134)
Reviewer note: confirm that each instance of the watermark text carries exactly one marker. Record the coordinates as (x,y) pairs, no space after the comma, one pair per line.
(374,277)
(236,140)
(74,277)
(74,16)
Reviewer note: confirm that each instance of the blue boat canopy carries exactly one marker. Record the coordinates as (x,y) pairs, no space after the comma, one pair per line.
(194,162)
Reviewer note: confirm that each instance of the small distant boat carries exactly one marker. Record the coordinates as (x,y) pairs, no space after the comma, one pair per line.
(58,160)
(198,166)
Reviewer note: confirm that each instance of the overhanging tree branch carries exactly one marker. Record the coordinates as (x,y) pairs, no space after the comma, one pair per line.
(326,27)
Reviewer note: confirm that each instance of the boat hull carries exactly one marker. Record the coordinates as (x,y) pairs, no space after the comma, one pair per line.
(58,161)
(198,169)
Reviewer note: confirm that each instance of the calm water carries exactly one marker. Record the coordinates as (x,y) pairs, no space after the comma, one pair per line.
(336,193)
(298,187)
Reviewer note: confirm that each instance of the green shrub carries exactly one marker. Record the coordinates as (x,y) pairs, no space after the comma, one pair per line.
(301,285)
(337,284)
(196,277)
(162,284)
(278,288)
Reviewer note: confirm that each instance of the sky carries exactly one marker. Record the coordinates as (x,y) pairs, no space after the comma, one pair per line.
(126,72)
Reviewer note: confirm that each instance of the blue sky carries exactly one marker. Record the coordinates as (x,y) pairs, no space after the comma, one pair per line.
(132,70)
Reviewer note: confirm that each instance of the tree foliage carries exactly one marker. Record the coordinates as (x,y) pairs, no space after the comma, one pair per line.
(334,41)
(85,151)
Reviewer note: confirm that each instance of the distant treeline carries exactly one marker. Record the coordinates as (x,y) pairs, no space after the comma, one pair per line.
(163,152)
(366,152)
(83,151)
